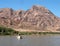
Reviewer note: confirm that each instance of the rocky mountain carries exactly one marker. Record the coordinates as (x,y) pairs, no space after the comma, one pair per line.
(38,18)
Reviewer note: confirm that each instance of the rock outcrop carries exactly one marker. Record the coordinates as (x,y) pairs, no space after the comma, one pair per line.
(38,18)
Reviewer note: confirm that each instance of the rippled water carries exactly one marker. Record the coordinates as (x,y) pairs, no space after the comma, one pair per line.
(30,41)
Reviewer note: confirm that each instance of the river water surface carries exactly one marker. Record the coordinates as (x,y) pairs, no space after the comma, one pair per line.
(32,40)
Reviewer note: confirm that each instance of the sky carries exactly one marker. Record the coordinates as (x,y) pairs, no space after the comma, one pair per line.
(52,5)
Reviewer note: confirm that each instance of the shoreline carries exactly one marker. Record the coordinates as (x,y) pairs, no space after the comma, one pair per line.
(10,31)
(32,33)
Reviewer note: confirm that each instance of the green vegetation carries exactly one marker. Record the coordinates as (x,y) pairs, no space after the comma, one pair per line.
(9,31)
(39,33)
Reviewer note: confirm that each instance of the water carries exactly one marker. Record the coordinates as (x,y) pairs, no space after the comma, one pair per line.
(30,41)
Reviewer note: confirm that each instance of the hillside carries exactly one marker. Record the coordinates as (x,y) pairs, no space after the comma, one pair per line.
(38,18)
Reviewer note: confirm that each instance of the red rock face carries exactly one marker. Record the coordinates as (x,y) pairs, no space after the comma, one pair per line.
(37,18)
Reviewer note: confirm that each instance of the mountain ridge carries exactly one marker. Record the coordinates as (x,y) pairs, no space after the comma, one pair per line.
(38,18)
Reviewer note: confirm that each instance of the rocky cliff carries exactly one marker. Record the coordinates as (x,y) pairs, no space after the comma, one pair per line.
(38,18)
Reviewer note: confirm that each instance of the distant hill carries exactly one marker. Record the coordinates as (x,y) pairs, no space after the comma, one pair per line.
(38,18)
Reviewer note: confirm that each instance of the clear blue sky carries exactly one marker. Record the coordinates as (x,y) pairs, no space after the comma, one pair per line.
(52,5)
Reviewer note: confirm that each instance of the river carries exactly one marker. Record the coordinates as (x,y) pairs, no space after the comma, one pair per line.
(30,40)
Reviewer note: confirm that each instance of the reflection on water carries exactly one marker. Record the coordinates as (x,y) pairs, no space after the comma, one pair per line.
(30,41)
